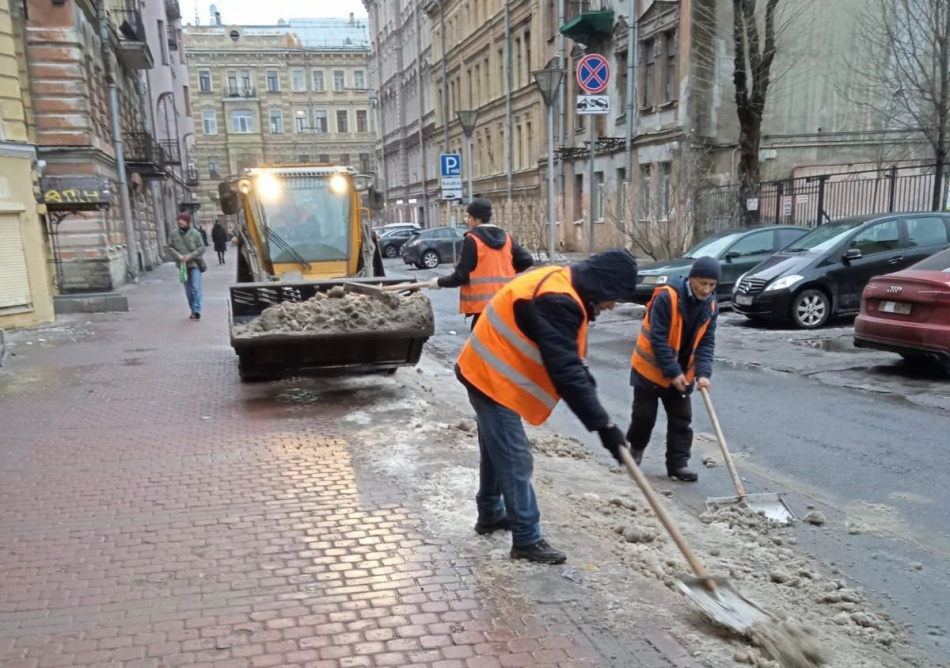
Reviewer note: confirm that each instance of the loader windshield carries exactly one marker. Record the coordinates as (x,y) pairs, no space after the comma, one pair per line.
(306,218)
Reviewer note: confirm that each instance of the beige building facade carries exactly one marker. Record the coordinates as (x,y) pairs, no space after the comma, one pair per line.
(25,288)
(293,93)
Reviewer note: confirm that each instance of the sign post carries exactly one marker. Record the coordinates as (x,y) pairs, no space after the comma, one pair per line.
(593,75)
(451,176)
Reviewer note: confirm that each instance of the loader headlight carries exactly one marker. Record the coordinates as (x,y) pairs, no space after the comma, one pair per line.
(338,184)
(244,186)
(268,187)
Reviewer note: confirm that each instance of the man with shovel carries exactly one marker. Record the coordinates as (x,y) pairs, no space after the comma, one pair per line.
(523,356)
(489,259)
(674,353)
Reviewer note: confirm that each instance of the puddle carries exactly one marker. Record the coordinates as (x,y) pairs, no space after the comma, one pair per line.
(839,344)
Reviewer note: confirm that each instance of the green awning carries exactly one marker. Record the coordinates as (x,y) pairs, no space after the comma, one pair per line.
(589,23)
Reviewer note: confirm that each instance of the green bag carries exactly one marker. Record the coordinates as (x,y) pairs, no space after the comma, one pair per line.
(183,271)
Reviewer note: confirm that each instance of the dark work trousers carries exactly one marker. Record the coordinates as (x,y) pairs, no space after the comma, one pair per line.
(679,416)
(475,317)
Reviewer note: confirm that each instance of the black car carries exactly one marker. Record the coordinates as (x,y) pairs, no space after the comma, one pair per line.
(737,252)
(824,273)
(429,248)
(391,241)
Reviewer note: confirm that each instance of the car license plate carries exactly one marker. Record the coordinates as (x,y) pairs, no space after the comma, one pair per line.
(744,300)
(901,308)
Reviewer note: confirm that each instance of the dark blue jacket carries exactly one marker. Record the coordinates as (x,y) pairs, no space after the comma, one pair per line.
(694,314)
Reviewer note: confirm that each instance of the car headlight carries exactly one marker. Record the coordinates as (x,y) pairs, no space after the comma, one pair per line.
(661,280)
(648,280)
(783,283)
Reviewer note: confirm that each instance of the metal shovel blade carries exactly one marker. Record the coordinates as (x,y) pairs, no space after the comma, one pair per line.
(771,505)
(362,288)
(723,604)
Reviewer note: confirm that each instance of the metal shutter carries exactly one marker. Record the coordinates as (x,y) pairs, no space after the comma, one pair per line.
(14,281)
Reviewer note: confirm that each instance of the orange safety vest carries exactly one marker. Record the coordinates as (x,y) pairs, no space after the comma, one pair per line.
(493,271)
(644,361)
(503,363)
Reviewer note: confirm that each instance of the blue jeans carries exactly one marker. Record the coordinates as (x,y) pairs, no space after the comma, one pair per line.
(505,470)
(193,289)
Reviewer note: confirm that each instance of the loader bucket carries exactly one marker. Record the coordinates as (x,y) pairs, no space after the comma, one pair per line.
(282,355)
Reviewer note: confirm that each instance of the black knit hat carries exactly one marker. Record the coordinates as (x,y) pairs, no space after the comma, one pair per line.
(480,208)
(706,267)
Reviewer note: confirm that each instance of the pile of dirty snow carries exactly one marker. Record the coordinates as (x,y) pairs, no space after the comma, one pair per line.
(340,312)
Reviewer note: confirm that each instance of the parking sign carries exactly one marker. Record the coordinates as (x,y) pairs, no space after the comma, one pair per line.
(450,168)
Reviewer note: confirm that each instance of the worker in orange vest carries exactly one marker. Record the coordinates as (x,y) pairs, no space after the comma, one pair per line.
(523,356)
(489,259)
(674,352)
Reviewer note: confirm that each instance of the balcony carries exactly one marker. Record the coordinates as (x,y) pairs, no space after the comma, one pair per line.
(144,155)
(191,177)
(172,32)
(128,31)
(240,93)
(172,9)
(172,151)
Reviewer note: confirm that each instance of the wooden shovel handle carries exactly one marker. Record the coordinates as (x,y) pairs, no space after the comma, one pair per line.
(403,286)
(722,442)
(665,519)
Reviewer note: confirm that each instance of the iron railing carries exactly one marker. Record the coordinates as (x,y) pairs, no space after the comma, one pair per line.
(172,151)
(191,177)
(143,153)
(127,24)
(236,91)
(820,198)
(172,9)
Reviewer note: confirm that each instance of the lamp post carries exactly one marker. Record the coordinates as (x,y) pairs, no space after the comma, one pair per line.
(549,81)
(467,120)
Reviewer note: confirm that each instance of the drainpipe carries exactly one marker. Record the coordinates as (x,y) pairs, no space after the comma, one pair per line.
(562,98)
(631,88)
(508,101)
(133,268)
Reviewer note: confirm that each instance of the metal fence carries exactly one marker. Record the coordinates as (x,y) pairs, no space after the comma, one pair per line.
(820,198)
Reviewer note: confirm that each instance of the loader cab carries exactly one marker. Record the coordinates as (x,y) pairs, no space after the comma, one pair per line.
(298,222)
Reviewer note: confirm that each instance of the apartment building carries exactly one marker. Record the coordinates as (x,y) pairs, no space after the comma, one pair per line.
(25,289)
(296,92)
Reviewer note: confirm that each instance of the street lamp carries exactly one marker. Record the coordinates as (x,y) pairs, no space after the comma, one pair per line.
(467,119)
(548,81)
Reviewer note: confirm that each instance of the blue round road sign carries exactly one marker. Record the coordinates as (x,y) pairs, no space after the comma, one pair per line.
(593,73)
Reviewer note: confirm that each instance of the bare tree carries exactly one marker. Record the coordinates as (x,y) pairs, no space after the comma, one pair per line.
(530,226)
(657,215)
(904,64)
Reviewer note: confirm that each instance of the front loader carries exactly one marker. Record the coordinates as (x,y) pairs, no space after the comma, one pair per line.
(302,230)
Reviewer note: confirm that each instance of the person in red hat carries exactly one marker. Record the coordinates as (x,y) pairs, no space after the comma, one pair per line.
(187,248)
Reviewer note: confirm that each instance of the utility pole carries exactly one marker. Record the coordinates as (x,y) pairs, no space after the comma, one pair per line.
(508,114)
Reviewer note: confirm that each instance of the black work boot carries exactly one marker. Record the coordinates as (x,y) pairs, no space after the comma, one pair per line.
(539,552)
(682,474)
(637,455)
(488,528)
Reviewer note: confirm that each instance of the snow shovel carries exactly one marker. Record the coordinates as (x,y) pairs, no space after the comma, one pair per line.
(369,289)
(715,596)
(772,505)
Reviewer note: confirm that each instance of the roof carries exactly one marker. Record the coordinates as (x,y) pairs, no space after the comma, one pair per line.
(336,34)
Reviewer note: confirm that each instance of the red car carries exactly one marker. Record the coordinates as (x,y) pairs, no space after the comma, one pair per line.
(908,312)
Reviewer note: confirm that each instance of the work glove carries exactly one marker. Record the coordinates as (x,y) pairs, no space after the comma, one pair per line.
(434,284)
(612,438)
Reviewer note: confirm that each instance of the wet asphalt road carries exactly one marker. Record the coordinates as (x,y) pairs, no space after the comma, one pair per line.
(876,465)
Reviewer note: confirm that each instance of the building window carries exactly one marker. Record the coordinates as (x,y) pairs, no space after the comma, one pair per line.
(319,85)
(232,84)
(273,81)
(342,121)
(214,168)
(622,83)
(320,121)
(666,189)
(359,80)
(209,121)
(671,73)
(298,81)
(599,197)
(645,174)
(361,125)
(242,122)
(204,81)
(300,121)
(276,122)
(324,158)
(246,87)
(365,165)
(516,74)
(163,41)
(345,159)
(339,80)
(649,70)
(527,58)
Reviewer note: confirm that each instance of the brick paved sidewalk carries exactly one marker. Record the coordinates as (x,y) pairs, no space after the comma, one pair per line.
(156,512)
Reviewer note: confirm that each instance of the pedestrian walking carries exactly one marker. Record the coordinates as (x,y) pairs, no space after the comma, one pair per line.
(674,353)
(220,238)
(489,259)
(187,248)
(520,360)
(203,233)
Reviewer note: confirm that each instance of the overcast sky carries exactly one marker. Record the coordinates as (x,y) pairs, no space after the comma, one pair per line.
(268,12)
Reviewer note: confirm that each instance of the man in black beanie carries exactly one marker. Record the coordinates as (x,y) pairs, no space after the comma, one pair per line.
(674,353)
(489,259)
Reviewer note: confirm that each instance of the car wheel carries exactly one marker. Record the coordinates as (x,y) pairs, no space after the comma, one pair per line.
(430,259)
(390,251)
(810,309)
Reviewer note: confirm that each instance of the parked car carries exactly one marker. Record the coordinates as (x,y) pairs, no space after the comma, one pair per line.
(429,248)
(395,226)
(391,241)
(908,312)
(737,252)
(824,272)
